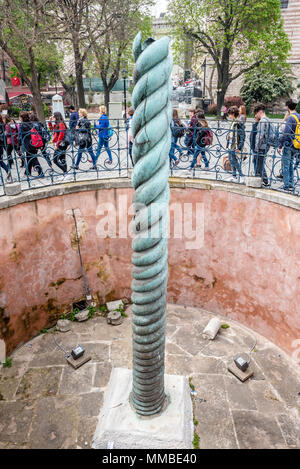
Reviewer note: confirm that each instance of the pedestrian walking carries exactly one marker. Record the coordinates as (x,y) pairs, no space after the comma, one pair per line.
(83,138)
(204,138)
(2,145)
(235,144)
(262,142)
(30,141)
(74,117)
(11,137)
(177,131)
(289,145)
(42,131)
(190,134)
(130,139)
(58,126)
(103,127)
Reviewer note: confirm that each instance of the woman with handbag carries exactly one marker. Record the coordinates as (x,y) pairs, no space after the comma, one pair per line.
(177,131)
(105,132)
(83,138)
(59,140)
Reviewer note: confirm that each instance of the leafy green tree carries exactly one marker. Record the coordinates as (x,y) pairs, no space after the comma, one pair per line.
(239,35)
(23,29)
(266,87)
(114,50)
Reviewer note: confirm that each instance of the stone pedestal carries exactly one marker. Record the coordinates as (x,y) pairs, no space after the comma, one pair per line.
(14,188)
(119,424)
(253,181)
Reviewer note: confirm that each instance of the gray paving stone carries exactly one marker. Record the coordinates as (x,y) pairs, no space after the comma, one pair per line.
(290,427)
(55,423)
(10,379)
(190,339)
(78,381)
(239,394)
(266,399)
(257,431)
(215,426)
(102,376)
(86,430)
(15,420)
(39,382)
(98,351)
(90,404)
(280,374)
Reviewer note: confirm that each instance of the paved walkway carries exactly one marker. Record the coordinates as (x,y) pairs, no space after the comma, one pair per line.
(44,403)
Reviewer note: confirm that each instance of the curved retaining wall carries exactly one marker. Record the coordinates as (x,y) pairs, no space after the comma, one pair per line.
(246,265)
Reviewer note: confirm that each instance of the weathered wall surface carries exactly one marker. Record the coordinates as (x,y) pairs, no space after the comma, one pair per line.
(247,268)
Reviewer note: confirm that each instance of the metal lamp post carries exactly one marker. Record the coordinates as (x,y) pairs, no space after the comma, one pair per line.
(152,139)
(124,76)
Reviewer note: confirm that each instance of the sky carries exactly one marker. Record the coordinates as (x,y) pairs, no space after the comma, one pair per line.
(159,7)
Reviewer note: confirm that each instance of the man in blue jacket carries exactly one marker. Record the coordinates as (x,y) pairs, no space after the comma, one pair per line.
(74,116)
(290,153)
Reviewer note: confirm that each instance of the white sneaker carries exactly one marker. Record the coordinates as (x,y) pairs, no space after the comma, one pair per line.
(242,180)
(232,179)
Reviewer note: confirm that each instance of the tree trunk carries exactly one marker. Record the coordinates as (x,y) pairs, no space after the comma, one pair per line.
(106,97)
(36,93)
(79,79)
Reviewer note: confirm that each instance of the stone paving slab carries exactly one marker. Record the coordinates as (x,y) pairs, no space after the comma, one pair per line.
(45,403)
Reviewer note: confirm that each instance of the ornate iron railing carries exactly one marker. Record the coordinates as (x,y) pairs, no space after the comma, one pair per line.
(47,165)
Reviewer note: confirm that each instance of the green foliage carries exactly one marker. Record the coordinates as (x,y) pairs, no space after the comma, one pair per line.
(103,309)
(7,363)
(191,384)
(122,311)
(249,33)
(73,314)
(225,326)
(15,111)
(46,110)
(92,311)
(266,87)
(196,441)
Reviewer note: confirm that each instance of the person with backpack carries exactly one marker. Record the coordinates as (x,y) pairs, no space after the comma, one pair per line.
(105,133)
(31,142)
(2,145)
(235,144)
(290,143)
(177,131)
(43,133)
(59,140)
(189,140)
(265,138)
(204,138)
(11,137)
(83,139)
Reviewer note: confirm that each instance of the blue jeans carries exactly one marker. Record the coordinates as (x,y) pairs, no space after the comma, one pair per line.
(103,141)
(174,147)
(196,153)
(188,142)
(82,150)
(288,156)
(235,164)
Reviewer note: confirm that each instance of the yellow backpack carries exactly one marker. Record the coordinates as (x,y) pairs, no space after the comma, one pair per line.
(296,141)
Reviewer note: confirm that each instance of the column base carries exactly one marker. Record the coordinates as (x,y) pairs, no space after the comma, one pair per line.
(119,424)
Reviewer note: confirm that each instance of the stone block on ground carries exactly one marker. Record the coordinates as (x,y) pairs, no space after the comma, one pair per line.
(13,188)
(118,422)
(253,181)
(82,315)
(113,305)
(114,318)
(2,351)
(63,325)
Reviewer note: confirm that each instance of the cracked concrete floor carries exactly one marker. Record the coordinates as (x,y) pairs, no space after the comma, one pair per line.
(44,403)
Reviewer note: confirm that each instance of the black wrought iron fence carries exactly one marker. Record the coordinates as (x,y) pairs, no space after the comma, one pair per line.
(44,157)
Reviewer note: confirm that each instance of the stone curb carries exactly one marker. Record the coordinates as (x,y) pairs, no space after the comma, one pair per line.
(287,200)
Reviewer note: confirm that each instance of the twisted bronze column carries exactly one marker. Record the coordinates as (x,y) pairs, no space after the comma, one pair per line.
(152,139)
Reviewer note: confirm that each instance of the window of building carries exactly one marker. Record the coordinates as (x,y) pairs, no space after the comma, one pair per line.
(284,3)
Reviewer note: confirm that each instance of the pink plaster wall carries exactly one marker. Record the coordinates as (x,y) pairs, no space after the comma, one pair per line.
(248,267)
